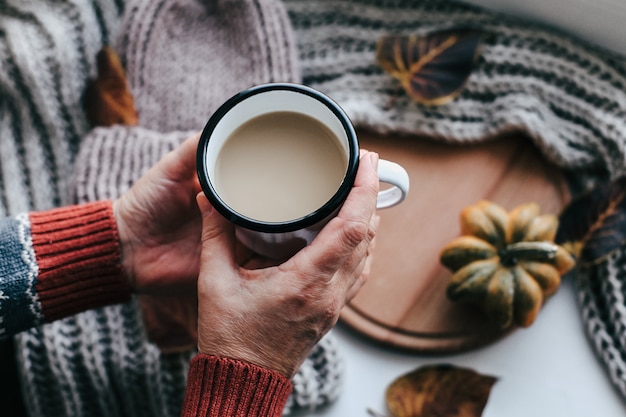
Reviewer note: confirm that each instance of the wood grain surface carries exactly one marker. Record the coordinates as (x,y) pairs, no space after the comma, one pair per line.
(403,304)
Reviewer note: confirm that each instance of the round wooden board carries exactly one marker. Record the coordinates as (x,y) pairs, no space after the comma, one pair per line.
(403,303)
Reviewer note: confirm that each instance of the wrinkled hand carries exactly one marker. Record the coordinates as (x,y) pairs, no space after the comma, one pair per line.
(273,316)
(159,225)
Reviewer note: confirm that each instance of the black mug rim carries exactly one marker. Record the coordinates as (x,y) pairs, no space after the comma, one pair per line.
(292,225)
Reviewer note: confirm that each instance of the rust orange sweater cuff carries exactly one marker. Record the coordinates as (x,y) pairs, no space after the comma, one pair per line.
(78,256)
(224,387)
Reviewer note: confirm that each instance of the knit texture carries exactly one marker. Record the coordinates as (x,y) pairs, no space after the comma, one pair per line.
(602,300)
(47,52)
(173,50)
(568,96)
(58,262)
(20,307)
(78,259)
(265,391)
(184,58)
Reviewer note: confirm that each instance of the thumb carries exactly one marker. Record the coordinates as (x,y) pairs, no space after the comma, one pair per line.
(218,236)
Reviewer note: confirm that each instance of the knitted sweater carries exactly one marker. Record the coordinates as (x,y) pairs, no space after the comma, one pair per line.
(567,95)
(60,262)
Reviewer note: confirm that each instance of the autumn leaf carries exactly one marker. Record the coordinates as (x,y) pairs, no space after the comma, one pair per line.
(434,68)
(593,226)
(440,390)
(108,100)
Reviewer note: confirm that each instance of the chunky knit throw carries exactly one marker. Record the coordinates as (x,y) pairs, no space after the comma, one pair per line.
(568,96)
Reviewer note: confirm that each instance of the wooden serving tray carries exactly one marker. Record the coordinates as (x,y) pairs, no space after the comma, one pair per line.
(403,303)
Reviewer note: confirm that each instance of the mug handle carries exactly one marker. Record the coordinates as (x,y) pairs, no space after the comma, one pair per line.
(394,174)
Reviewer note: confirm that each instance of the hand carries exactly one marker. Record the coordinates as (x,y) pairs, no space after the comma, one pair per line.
(273,316)
(159,226)
(171,321)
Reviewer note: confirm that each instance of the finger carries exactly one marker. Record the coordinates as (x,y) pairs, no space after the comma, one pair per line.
(343,234)
(360,206)
(180,164)
(366,269)
(366,185)
(361,274)
(374,224)
(187,152)
(218,237)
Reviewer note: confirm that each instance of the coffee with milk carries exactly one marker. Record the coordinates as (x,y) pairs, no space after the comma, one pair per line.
(279,166)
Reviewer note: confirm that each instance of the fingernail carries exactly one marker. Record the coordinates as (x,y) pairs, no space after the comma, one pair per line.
(203,203)
(374,159)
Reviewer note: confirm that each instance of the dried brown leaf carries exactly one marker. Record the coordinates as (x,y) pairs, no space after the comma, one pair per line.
(108,100)
(440,390)
(434,68)
(594,225)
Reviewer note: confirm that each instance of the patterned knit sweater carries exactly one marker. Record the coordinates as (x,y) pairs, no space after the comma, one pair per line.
(567,95)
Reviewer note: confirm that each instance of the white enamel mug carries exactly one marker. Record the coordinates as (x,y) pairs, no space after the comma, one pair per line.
(281,239)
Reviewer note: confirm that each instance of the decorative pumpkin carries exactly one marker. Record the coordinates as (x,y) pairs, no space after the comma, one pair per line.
(505,263)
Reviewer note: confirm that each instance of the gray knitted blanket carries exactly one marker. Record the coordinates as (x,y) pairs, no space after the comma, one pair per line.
(568,96)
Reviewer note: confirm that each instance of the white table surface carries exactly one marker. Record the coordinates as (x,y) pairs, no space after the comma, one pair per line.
(547,370)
